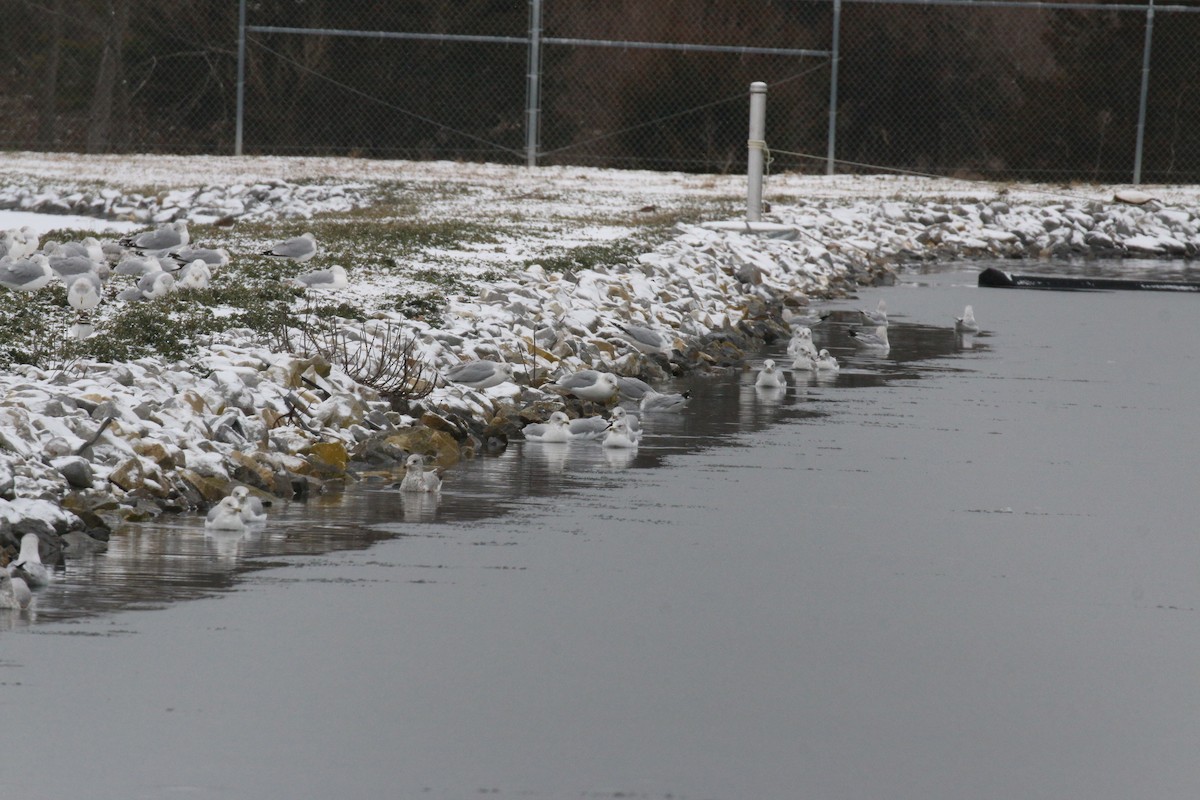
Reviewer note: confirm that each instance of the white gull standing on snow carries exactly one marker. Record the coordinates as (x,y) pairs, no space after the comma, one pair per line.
(646,340)
(588,384)
(480,374)
(334,277)
(27,274)
(164,238)
(299,248)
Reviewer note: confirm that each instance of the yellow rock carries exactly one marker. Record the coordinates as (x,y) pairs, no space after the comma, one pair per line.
(327,458)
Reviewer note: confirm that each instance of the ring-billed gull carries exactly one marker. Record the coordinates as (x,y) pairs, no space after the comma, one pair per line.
(588,427)
(480,374)
(83,291)
(29,564)
(878,316)
(164,238)
(801,342)
(26,274)
(618,435)
(333,278)
(14,592)
(967,321)
(632,389)
(632,423)
(588,384)
(249,506)
(872,341)
(193,276)
(663,401)
(214,257)
(556,429)
(299,248)
(646,340)
(803,360)
(825,362)
(225,516)
(769,377)
(417,478)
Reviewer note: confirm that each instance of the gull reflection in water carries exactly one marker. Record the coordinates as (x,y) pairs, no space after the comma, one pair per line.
(420,506)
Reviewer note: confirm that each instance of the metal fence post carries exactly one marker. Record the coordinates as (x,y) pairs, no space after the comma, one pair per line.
(831,138)
(533,84)
(1141,123)
(756,144)
(241,78)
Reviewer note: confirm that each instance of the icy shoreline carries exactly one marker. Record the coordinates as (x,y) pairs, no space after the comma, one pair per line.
(85,448)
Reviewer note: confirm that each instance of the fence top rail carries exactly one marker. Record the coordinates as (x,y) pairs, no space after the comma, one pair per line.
(1032,4)
(524,40)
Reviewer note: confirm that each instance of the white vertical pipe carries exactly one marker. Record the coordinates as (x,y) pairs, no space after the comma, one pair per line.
(831,138)
(533,84)
(241,79)
(756,145)
(1141,121)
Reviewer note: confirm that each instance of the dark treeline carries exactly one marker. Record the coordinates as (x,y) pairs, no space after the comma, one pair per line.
(996,93)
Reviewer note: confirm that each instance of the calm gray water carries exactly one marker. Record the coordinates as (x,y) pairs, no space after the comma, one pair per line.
(968,569)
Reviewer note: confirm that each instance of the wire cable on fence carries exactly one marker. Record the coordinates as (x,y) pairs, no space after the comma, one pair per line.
(676,114)
(1028,188)
(384,103)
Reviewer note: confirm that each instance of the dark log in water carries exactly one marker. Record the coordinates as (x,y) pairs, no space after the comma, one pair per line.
(996,278)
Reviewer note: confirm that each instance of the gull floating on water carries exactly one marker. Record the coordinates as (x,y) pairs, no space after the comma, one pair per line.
(480,374)
(632,423)
(556,429)
(801,343)
(225,516)
(298,248)
(29,564)
(872,341)
(967,321)
(589,427)
(417,478)
(769,377)
(825,362)
(878,316)
(165,238)
(589,384)
(14,592)
(618,435)
(249,506)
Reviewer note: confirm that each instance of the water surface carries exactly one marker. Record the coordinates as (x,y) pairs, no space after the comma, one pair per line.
(967,568)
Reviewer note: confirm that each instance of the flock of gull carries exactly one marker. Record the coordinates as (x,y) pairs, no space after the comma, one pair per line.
(159,262)
(164,260)
(807,358)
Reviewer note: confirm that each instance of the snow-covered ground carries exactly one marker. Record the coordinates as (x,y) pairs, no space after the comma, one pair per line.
(162,436)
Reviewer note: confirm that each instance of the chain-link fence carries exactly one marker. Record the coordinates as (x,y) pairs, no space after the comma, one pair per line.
(986,88)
